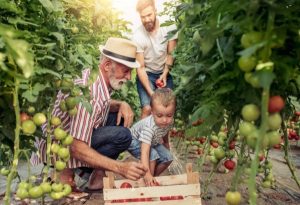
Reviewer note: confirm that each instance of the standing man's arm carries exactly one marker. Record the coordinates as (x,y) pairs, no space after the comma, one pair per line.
(141,72)
(169,61)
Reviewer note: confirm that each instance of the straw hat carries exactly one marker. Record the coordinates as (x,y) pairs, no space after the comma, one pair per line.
(120,50)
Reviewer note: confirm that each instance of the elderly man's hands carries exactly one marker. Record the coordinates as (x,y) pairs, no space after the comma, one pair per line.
(125,112)
(132,170)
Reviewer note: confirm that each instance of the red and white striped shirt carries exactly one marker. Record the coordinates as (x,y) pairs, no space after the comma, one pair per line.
(82,124)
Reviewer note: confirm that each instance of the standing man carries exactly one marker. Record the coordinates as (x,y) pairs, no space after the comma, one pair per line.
(154,53)
(98,140)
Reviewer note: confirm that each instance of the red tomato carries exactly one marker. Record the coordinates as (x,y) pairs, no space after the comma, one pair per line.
(159,83)
(232,145)
(126,185)
(261,157)
(297,113)
(229,164)
(276,103)
(277,146)
(202,140)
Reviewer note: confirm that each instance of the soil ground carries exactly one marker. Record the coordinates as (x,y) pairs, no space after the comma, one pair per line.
(286,191)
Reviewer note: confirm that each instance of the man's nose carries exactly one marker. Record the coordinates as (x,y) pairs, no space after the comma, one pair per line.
(128,75)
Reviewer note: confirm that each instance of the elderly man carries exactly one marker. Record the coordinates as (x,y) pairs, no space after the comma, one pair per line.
(154,53)
(98,140)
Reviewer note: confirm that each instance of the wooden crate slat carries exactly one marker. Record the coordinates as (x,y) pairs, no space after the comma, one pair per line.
(156,191)
(162,180)
(188,201)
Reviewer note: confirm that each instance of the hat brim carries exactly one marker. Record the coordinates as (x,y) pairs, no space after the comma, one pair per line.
(129,64)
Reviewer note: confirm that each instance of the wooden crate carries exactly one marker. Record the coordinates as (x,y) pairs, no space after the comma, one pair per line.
(185,185)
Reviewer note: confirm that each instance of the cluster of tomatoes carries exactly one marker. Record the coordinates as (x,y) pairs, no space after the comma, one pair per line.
(59,151)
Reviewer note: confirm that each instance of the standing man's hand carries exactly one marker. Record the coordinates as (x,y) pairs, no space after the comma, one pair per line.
(133,170)
(126,112)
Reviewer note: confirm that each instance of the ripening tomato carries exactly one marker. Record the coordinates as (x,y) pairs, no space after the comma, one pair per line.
(233,198)
(126,185)
(219,153)
(250,112)
(229,164)
(24,116)
(231,145)
(276,103)
(214,144)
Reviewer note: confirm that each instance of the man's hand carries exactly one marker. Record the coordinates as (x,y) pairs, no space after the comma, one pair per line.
(132,170)
(126,112)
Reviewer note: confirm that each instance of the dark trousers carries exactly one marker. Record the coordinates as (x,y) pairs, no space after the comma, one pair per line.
(110,140)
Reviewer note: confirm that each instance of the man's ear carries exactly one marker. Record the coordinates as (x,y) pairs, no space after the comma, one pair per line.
(106,65)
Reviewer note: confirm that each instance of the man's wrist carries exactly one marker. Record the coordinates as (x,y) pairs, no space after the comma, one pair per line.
(168,66)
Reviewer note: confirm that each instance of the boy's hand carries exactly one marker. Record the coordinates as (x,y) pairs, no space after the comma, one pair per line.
(150,180)
(132,170)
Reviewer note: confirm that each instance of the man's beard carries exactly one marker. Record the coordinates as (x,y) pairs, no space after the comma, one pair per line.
(149,26)
(115,83)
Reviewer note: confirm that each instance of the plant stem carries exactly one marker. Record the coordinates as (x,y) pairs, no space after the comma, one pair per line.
(14,166)
(262,132)
(239,168)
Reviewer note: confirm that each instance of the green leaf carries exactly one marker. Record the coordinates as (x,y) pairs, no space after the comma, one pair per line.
(47,4)
(29,96)
(86,105)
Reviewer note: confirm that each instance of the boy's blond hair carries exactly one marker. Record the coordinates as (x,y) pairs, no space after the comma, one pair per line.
(142,4)
(164,96)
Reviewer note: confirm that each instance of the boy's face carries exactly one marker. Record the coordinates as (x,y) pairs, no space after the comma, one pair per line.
(163,116)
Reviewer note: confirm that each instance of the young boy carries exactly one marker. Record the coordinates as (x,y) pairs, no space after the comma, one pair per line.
(150,141)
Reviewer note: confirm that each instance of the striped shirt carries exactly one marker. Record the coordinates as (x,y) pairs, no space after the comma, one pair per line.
(148,132)
(82,124)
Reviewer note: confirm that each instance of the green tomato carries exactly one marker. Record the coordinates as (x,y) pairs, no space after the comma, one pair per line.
(246,128)
(46,187)
(252,139)
(60,165)
(67,189)
(63,106)
(274,121)
(56,195)
(233,198)
(39,118)
(57,187)
(274,138)
(35,192)
(54,148)
(59,133)
(251,38)
(70,102)
(73,111)
(247,63)
(22,193)
(68,140)
(55,121)
(266,184)
(219,153)
(23,185)
(63,152)
(28,127)
(250,112)
(30,109)
(4,171)
(222,135)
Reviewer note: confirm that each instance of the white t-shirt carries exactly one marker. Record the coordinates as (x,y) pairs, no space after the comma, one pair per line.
(154,47)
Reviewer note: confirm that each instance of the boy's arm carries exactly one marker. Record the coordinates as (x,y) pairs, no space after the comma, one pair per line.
(145,160)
